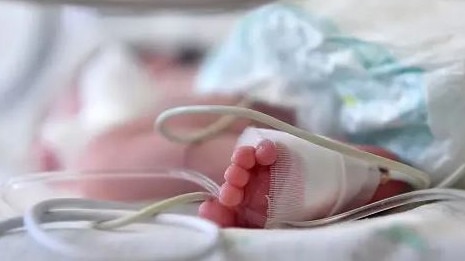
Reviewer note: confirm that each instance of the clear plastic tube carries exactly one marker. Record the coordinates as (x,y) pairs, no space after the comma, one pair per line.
(453,178)
(52,211)
(414,177)
(55,177)
(152,210)
(419,196)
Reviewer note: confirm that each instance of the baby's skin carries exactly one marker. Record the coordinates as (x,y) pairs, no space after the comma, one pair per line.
(243,195)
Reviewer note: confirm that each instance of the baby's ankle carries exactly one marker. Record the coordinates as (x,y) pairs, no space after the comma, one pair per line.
(389,189)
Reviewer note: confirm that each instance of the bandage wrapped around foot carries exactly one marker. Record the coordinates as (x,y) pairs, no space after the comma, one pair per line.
(309,182)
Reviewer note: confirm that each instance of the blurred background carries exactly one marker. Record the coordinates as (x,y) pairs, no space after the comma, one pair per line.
(70,72)
(56,58)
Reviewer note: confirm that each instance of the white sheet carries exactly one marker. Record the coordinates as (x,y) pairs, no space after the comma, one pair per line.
(431,232)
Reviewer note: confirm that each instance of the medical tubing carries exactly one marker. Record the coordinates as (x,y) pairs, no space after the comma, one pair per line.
(9,224)
(421,179)
(382,205)
(197,178)
(182,174)
(214,128)
(453,178)
(152,210)
(46,211)
(224,122)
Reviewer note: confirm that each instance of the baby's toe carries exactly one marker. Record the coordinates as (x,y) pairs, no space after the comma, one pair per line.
(266,153)
(237,176)
(217,213)
(231,196)
(244,157)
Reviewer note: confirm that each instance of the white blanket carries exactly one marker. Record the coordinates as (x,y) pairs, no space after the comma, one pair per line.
(430,232)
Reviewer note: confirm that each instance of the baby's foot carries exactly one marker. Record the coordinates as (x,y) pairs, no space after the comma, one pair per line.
(243,197)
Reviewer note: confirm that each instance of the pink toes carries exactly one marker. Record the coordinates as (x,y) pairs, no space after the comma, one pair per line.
(237,176)
(244,157)
(266,153)
(214,211)
(246,186)
(231,196)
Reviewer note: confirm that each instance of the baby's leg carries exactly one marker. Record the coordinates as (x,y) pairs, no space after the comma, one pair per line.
(136,146)
(243,197)
(146,150)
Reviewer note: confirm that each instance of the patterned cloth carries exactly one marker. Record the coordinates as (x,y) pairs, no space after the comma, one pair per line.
(430,232)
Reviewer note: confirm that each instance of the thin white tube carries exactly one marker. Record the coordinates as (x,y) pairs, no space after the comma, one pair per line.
(42,211)
(415,177)
(382,205)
